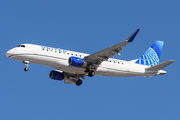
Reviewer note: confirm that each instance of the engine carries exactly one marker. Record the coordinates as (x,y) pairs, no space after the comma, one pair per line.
(75,61)
(56,75)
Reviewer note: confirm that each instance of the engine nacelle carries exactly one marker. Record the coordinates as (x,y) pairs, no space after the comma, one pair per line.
(75,61)
(56,75)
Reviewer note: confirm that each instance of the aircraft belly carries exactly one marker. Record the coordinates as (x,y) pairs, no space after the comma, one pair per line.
(119,71)
(76,70)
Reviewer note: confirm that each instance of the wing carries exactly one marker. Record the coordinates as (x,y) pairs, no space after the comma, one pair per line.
(104,55)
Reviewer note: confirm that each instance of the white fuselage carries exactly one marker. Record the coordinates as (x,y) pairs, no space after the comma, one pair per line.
(58,59)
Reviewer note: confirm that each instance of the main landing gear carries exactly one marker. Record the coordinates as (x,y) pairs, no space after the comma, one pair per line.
(90,70)
(91,73)
(79,82)
(26,64)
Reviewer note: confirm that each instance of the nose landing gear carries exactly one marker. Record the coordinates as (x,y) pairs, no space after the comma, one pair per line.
(26,69)
(26,64)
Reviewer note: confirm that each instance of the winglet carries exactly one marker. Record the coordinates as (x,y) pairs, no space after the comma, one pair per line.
(131,38)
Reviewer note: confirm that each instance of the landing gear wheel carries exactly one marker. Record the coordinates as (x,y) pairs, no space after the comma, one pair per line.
(91,73)
(79,82)
(26,64)
(26,69)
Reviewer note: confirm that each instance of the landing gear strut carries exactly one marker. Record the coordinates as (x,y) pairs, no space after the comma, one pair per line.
(26,64)
(79,82)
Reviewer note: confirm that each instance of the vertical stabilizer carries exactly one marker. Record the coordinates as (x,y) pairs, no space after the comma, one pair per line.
(152,56)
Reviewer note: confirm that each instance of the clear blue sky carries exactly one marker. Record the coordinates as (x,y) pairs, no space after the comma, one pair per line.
(89,27)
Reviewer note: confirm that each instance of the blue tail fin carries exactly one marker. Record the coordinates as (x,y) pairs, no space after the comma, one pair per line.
(152,56)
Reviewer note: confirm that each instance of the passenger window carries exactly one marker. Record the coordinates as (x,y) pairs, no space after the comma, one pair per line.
(79,55)
(71,54)
(68,53)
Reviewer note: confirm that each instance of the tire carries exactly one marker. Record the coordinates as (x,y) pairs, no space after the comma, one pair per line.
(79,82)
(91,73)
(26,69)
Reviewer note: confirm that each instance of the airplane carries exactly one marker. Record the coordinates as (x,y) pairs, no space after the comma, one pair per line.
(73,66)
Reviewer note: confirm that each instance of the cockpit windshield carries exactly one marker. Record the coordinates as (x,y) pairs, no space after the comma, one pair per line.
(21,46)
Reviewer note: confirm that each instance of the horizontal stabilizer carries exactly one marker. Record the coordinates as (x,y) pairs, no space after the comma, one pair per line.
(160,66)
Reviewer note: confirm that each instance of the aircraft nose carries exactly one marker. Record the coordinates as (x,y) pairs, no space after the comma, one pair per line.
(9,53)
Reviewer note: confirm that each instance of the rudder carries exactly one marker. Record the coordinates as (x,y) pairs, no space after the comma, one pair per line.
(152,56)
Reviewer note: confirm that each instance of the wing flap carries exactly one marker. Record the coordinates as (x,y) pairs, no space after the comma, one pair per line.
(160,66)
